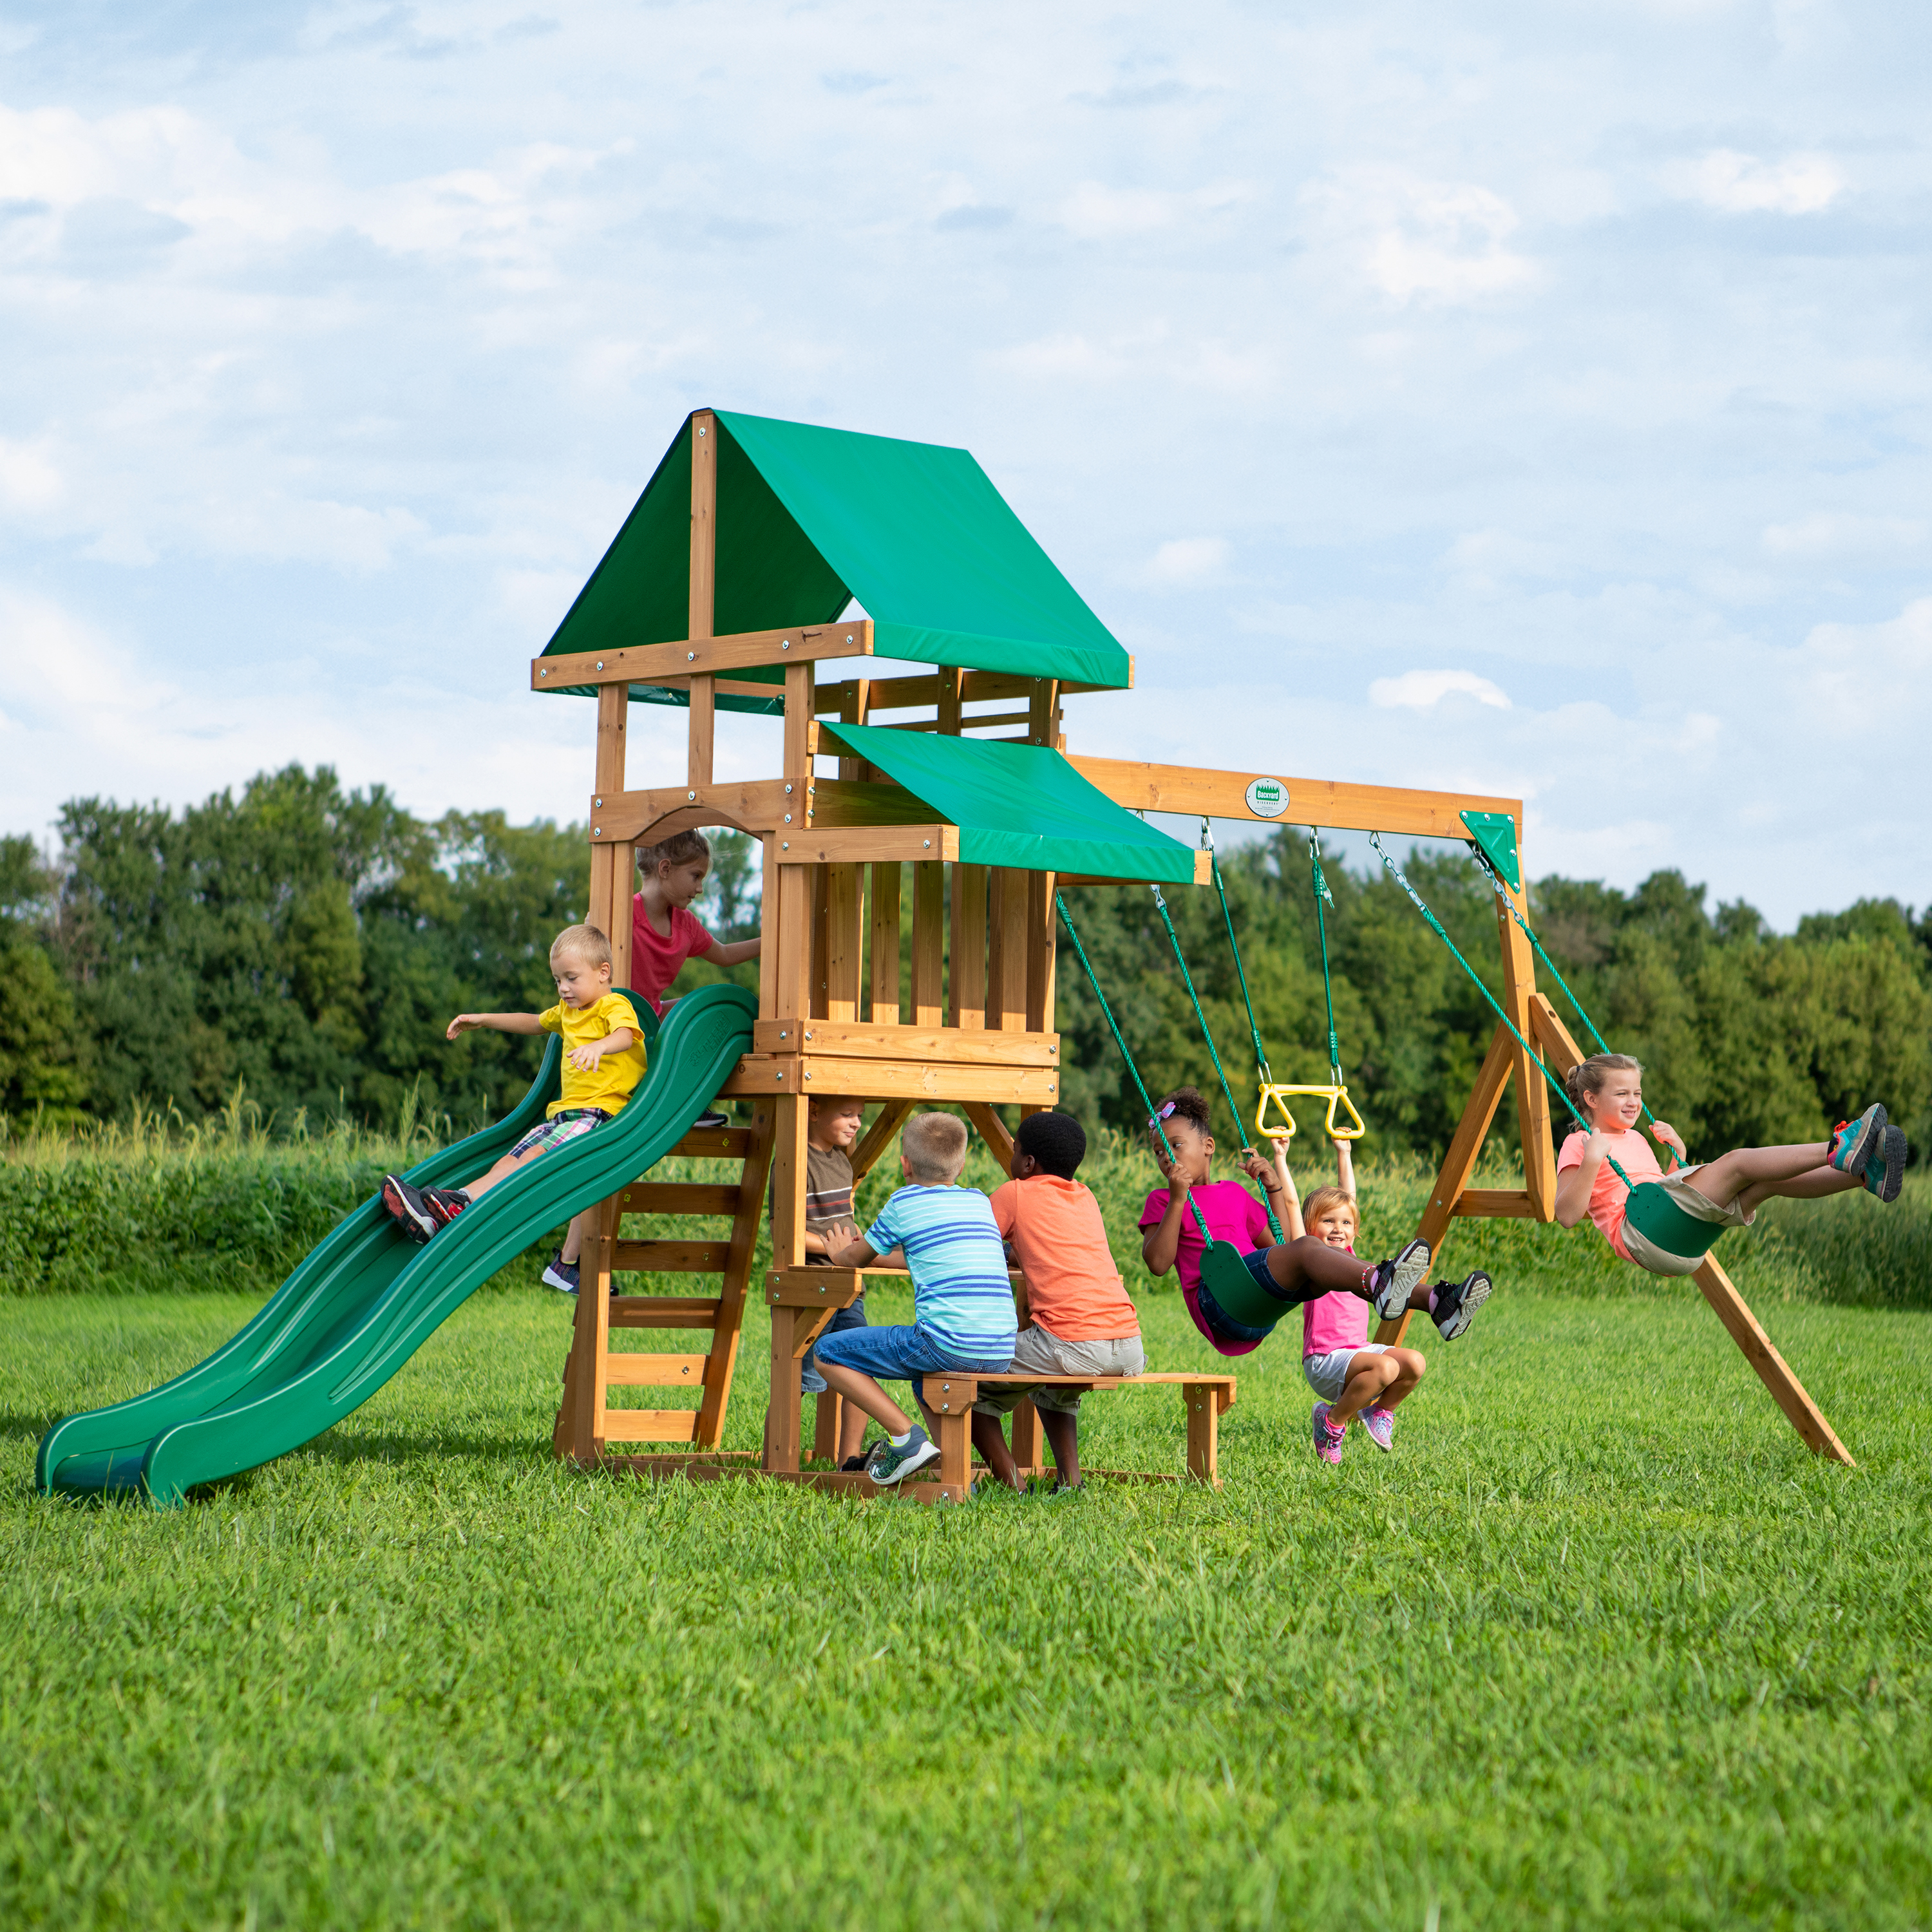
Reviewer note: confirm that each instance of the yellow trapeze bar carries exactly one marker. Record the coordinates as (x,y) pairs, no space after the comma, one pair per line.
(1337,1097)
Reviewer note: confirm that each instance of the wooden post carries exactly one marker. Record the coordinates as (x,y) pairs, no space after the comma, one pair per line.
(966,977)
(788,1156)
(1465,1147)
(724,1335)
(844,940)
(702,612)
(1027,1433)
(591,1348)
(1532,1091)
(1204,1431)
(929,942)
(1009,949)
(612,864)
(885,974)
(768,910)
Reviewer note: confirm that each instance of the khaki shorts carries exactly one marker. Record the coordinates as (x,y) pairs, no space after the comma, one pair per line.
(1648,1255)
(1042,1352)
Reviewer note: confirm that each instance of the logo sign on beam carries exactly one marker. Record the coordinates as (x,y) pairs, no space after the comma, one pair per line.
(1266,798)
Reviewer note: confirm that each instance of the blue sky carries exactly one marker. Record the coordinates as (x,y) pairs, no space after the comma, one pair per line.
(1531,398)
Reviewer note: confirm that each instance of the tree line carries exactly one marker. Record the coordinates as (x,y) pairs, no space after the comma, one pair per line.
(311,942)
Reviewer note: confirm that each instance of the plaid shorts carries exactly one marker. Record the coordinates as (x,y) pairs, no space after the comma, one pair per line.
(552,1133)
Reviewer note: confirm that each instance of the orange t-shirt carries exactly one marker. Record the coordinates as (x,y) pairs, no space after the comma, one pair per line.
(1074,1290)
(1631,1152)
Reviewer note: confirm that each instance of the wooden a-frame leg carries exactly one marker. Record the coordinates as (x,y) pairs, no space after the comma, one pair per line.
(1787,1390)
(1203,1432)
(828,1411)
(1465,1147)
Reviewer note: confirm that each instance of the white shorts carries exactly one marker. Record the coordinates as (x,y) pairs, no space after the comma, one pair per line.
(1328,1374)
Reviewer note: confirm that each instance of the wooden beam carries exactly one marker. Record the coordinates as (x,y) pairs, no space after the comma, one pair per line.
(647,1368)
(864,845)
(844,940)
(701,605)
(865,1041)
(612,862)
(680,1197)
(1532,1091)
(884,1004)
(854,1078)
(874,1142)
(730,1326)
(817,876)
(686,657)
(992,1130)
(758,807)
(1193,791)
(1008,935)
(669,1257)
(1465,1147)
(1787,1390)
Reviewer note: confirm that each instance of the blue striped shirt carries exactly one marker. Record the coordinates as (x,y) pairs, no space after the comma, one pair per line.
(960,1294)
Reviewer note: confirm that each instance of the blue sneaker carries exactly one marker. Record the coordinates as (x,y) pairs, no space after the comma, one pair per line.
(1854,1142)
(1884,1166)
(888,1465)
(562,1275)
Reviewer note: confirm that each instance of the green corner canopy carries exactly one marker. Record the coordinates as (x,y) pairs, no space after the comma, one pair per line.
(1494,833)
(809,519)
(1021,804)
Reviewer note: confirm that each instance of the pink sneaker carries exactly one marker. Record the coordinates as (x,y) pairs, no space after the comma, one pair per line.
(1328,1440)
(1380,1423)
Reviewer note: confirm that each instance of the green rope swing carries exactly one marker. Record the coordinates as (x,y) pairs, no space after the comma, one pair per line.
(1649,1209)
(1233,1295)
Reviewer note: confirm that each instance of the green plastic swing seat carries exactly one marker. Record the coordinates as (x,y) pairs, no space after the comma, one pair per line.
(1668,1229)
(1236,1293)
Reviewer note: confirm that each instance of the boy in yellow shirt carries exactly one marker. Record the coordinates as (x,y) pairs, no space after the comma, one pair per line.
(603,1061)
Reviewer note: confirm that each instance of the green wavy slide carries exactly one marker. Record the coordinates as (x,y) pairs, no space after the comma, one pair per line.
(368,1297)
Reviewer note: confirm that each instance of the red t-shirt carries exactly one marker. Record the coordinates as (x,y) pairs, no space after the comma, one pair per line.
(655,959)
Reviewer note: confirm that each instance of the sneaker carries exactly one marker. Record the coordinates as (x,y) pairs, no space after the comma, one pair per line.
(1854,1142)
(1391,1283)
(1380,1424)
(445,1203)
(888,1465)
(710,1118)
(1453,1305)
(409,1208)
(1328,1439)
(1885,1167)
(561,1275)
(852,1466)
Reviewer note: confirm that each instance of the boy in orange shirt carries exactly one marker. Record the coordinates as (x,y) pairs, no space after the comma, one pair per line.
(1082,1323)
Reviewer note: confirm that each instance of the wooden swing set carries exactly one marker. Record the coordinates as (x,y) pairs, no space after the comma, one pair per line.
(731,587)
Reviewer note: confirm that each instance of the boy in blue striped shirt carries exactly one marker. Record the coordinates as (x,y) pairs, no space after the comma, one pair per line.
(962,1300)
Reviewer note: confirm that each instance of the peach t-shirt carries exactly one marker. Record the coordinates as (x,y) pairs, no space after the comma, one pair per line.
(1631,1151)
(1074,1290)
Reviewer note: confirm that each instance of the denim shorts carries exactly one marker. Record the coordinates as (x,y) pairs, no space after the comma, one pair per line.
(548,1134)
(1224,1323)
(809,1379)
(903,1355)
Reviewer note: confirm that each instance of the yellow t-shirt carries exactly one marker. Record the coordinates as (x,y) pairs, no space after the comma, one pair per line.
(608,1084)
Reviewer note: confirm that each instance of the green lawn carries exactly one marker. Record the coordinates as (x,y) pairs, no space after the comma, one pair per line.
(1600,1644)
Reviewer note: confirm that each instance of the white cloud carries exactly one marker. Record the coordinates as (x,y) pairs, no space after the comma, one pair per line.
(1867,685)
(1095,212)
(1735,183)
(1420,690)
(1831,534)
(29,480)
(1189,560)
(1409,236)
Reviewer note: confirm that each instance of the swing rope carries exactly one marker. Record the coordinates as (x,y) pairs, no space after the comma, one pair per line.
(1589,1025)
(1140,1086)
(1213,1052)
(1562,1092)
(1241,972)
(1321,888)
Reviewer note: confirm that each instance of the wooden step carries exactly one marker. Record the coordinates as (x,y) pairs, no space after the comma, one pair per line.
(715,1144)
(680,1197)
(647,1368)
(664,1311)
(671,1257)
(650,1425)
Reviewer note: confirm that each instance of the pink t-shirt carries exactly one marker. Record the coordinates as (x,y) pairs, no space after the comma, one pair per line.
(655,959)
(1232,1214)
(1334,1322)
(1631,1151)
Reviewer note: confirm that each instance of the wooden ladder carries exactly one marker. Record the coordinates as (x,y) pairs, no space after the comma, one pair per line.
(586,1424)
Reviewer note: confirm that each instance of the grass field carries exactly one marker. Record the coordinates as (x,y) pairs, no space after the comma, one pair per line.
(1600,1645)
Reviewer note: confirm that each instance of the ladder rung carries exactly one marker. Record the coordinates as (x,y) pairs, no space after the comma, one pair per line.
(645,1368)
(680,1197)
(671,1257)
(650,1425)
(664,1311)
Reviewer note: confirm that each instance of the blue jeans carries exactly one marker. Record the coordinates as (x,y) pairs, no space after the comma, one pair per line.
(903,1354)
(809,1379)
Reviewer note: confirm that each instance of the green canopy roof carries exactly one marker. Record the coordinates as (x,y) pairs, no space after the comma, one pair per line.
(809,519)
(1021,804)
